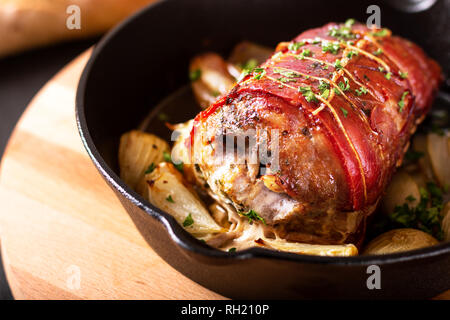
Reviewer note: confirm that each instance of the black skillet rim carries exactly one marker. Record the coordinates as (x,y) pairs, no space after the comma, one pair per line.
(180,236)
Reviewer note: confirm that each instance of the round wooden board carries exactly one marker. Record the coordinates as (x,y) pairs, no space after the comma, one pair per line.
(64,234)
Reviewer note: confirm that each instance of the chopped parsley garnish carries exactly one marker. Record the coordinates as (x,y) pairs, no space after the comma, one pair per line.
(343,33)
(259,73)
(336,91)
(388,75)
(381,69)
(401,103)
(304,53)
(403,75)
(179,166)
(169,199)
(338,65)
(286,73)
(324,89)
(150,168)
(329,46)
(194,75)
(325,94)
(426,216)
(345,112)
(294,46)
(352,53)
(168,158)
(323,85)
(381,33)
(349,22)
(377,52)
(188,221)
(344,86)
(286,80)
(361,91)
(232,250)
(250,65)
(252,215)
(308,94)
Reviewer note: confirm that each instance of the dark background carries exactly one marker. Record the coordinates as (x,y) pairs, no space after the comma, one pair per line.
(21,77)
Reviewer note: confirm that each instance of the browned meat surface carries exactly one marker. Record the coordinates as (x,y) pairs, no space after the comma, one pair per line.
(336,107)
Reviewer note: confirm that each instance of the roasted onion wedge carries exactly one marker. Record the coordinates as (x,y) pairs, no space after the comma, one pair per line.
(402,186)
(399,240)
(246,51)
(209,78)
(344,250)
(138,151)
(168,191)
(438,148)
(420,145)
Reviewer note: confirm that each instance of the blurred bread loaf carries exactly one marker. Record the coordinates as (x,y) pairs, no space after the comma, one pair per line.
(26,24)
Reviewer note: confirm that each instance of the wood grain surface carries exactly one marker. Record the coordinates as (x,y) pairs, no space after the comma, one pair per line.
(64,234)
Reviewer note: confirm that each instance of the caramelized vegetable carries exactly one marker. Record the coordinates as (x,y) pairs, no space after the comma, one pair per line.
(344,250)
(419,146)
(438,147)
(219,214)
(139,153)
(245,52)
(168,191)
(209,78)
(399,240)
(180,154)
(402,186)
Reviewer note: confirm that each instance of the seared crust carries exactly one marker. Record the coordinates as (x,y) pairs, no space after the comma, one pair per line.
(345,105)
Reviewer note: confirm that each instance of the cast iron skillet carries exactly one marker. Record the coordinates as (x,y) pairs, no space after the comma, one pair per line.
(145,59)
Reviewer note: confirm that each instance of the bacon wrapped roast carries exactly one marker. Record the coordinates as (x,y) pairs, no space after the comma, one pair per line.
(337,105)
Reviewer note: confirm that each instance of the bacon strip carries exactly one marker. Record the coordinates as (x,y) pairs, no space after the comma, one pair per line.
(364,90)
